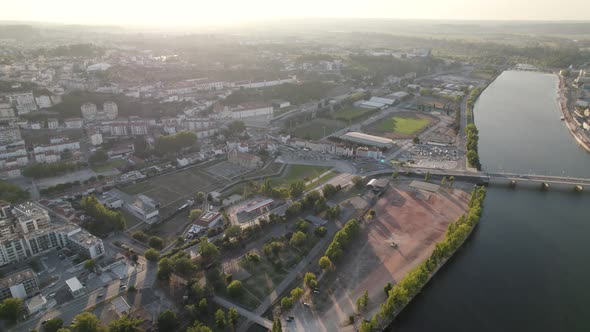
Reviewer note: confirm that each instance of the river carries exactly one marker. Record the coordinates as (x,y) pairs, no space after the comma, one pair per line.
(526,265)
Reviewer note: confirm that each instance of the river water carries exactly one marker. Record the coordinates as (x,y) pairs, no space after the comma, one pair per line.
(527,264)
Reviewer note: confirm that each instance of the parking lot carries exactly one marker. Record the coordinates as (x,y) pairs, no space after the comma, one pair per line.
(432,156)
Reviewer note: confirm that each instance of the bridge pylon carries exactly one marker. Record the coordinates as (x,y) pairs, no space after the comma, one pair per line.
(512,184)
(544,186)
(578,188)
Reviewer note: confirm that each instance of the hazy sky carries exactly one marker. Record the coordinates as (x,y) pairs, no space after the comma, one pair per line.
(207,12)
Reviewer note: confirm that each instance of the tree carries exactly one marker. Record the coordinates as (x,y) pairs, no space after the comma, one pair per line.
(416,140)
(362,301)
(200,197)
(293,210)
(296,293)
(443,181)
(286,303)
(125,324)
(220,318)
(183,265)
(164,268)
(366,326)
(156,242)
(152,255)
(427,176)
(395,175)
(12,193)
(208,250)
(387,288)
(53,325)
(198,327)
(203,306)
(140,236)
(320,231)
(296,188)
(90,265)
(86,322)
(235,288)
(329,190)
(233,316)
(233,231)
(276,326)
(451,181)
(298,239)
(100,156)
(195,213)
(358,182)
(167,321)
(310,280)
(325,263)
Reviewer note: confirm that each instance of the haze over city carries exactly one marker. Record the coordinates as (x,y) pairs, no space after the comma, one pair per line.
(301,166)
(196,13)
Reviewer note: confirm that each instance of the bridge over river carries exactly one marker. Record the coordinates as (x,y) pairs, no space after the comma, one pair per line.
(545,181)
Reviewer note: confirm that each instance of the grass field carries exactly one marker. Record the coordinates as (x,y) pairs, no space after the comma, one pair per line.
(351,113)
(171,187)
(98,168)
(404,125)
(316,128)
(301,172)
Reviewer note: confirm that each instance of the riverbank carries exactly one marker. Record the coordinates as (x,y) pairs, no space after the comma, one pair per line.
(412,284)
(414,221)
(568,119)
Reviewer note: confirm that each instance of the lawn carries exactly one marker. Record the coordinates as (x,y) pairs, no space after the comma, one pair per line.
(316,128)
(351,113)
(302,172)
(110,165)
(402,125)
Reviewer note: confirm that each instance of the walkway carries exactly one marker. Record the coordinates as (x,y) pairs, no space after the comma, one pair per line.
(243,312)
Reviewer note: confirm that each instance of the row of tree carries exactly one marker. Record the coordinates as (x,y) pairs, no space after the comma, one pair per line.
(401,294)
(342,238)
(38,171)
(472,142)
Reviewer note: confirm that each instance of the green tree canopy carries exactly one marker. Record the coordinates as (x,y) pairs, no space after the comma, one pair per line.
(167,321)
(86,322)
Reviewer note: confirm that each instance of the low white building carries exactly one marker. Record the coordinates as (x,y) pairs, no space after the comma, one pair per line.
(36,304)
(145,208)
(75,287)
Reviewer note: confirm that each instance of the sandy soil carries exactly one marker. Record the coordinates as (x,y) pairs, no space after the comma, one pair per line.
(415,221)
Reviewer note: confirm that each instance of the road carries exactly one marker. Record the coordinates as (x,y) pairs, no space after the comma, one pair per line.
(298,270)
(243,312)
(142,279)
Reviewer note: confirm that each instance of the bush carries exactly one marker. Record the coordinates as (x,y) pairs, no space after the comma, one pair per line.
(140,236)
(320,231)
(235,288)
(152,255)
(156,242)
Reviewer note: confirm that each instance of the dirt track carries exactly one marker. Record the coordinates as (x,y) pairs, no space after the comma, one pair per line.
(415,221)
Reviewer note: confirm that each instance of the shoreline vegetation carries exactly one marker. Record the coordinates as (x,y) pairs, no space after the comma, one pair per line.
(569,121)
(402,293)
(471,130)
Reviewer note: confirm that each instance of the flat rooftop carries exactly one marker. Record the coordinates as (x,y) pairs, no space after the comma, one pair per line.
(74,284)
(363,136)
(16,278)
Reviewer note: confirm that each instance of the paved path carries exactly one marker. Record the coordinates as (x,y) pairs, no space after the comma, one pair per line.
(243,312)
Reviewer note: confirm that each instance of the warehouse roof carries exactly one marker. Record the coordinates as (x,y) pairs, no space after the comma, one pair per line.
(358,135)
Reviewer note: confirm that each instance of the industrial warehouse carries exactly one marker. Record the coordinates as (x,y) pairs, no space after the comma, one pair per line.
(366,139)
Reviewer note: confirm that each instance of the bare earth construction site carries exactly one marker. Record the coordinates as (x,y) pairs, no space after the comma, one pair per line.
(407,224)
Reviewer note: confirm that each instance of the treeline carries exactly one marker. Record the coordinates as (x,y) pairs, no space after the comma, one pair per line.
(61,187)
(172,144)
(342,238)
(12,193)
(472,142)
(72,50)
(458,231)
(104,219)
(383,66)
(471,102)
(38,171)
(294,93)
